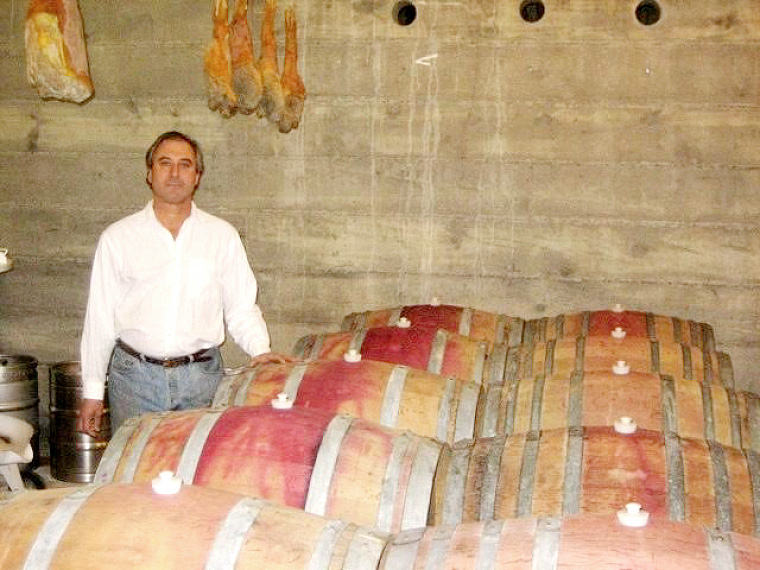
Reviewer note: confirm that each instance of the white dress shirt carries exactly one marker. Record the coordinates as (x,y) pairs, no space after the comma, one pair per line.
(168,297)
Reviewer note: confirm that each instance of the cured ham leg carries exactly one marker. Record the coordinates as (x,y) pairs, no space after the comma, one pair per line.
(292,85)
(219,65)
(56,54)
(273,98)
(246,78)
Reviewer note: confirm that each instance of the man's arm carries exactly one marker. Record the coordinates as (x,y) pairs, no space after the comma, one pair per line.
(98,338)
(270,357)
(243,316)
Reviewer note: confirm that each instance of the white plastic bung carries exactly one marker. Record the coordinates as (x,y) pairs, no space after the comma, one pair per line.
(282,402)
(167,483)
(352,355)
(621,367)
(618,332)
(404,323)
(633,516)
(625,425)
(618,308)
(435,302)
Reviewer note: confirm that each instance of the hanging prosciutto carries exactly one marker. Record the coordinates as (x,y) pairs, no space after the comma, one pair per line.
(273,99)
(219,64)
(292,86)
(246,78)
(56,54)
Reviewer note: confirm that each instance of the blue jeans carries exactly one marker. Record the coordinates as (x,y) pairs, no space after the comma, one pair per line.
(136,387)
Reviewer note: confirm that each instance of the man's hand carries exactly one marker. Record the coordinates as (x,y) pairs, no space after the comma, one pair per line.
(89,415)
(270,357)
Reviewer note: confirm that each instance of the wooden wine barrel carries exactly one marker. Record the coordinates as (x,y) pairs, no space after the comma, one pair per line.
(123,527)
(597,471)
(391,395)
(329,465)
(437,351)
(635,324)
(581,542)
(654,402)
(601,354)
(480,325)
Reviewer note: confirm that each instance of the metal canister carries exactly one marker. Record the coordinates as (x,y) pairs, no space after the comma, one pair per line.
(74,456)
(18,393)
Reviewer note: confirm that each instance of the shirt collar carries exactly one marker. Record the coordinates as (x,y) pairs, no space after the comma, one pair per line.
(150,215)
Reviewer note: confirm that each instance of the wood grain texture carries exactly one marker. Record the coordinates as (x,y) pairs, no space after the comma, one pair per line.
(531,170)
(683,479)
(393,395)
(635,324)
(474,323)
(653,402)
(366,473)
(124,526)
(601,354)
(437,351)
(593,542)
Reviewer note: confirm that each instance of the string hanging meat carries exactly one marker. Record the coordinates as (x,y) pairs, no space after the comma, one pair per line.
(292,85)
(56,54)
(246,78)
(219,65)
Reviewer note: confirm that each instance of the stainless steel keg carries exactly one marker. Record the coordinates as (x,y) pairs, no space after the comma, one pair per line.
(18,393)
(74,456)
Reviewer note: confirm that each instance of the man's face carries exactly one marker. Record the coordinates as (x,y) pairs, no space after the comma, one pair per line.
(173,176)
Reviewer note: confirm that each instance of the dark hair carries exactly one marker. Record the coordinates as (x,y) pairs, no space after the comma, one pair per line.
(175,136)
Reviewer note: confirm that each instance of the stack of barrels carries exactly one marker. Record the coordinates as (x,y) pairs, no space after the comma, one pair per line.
(436,436)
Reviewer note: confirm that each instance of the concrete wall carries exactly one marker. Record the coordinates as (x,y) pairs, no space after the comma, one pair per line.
(529,169)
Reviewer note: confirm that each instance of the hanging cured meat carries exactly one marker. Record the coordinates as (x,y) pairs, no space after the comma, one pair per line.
(219,65)
(246,77)
(292,85)
(273,99)
(56,54)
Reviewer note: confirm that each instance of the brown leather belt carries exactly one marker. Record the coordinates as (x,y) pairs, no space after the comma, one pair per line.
(173,362)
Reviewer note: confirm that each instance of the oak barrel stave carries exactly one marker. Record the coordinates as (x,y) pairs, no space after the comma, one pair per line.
(391,395)
(122,527)
(436,351)
(595,470)
(589,542)
(480,325)
(653,402)
(635,324)
(335,466)
(601,354)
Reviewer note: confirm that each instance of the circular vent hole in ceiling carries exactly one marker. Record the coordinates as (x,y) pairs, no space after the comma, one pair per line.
(532,10)
(648,12)
(404,12)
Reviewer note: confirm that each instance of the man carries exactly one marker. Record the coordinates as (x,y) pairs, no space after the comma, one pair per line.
(164,280)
